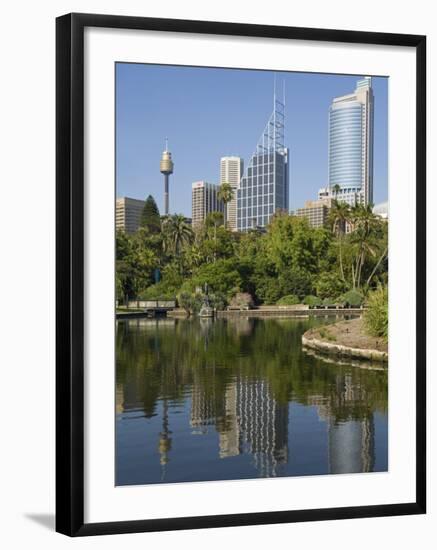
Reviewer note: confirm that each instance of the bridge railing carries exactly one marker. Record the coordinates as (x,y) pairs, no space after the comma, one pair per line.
(151,304)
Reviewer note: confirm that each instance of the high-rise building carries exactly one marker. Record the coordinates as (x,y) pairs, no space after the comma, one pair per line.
(231,171)
(381,210)
(316,212)
(128,214)
(204,200)
(351,145)
(264,189)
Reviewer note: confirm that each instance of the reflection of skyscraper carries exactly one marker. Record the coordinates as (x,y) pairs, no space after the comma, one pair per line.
(207,406)
(351,446)
(351,441)
(229,434)
(231,171)
(264,188)
(263,424)
(248,420)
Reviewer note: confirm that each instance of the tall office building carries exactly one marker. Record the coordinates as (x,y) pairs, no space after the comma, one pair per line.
(264,189)
(203,201)
(128,214)
(231,171)
(316,212)
(351,145)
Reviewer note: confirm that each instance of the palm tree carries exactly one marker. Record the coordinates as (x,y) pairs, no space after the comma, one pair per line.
(177,233)
(225,194)
(214,220)
(365,224)
(339,216)
(336,190)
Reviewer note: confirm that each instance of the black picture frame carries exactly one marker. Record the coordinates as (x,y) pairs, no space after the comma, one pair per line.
(70,273)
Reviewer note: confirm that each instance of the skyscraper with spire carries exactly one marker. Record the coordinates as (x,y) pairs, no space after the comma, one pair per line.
(166,168)
(264,188)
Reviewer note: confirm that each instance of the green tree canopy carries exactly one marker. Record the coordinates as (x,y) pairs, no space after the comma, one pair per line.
(150,217)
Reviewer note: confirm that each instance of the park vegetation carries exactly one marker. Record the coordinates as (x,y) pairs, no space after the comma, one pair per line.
(289,262)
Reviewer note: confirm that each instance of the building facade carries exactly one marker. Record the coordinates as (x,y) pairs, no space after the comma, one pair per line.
(128,214)
(264,189)
(204,201)
(316,212)
(381,210)
(351,145)
(231,171)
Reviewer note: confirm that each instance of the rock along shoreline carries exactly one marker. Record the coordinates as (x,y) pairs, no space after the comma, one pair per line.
(346,339)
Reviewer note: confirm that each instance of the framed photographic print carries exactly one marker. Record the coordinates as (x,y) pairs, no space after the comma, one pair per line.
(240,274)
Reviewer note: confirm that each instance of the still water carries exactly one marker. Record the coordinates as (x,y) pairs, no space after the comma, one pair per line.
(202,399)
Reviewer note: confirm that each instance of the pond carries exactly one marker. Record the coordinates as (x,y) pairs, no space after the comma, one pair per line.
(238,398)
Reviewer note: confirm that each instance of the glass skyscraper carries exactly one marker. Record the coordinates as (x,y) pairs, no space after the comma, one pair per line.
(351,145)
(264,189)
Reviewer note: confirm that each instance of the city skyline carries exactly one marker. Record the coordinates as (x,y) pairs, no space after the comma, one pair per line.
(226,124)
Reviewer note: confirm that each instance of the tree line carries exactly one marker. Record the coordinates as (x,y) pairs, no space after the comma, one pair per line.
(288,262)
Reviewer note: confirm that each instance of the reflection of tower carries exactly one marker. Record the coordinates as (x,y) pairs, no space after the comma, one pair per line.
(351,441)
(229,435)
(264,425)
(351,446)
(203,410)
(119,398)
(166,167)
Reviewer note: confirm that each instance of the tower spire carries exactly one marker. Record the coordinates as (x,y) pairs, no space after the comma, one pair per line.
(274,91)
(166,168)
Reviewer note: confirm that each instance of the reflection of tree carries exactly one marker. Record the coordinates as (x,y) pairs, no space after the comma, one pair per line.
(238,371)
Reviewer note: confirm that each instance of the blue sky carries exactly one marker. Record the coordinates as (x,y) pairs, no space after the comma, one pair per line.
(207,113)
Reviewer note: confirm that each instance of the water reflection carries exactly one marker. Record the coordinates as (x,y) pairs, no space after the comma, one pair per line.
(238,398)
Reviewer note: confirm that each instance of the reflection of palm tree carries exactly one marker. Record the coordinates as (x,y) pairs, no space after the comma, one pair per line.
(177,233)
(225,194)
(164,439)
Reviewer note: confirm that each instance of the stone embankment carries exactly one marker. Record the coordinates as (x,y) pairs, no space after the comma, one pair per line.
(346,339)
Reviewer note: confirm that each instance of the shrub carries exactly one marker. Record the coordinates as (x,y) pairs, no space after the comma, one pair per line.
(376,315)
(352,298)
(217,300)
(242,299)
(329,302)
(158,291)
(184,301)
(289,300)
(312,301)
(190,302)
(329,284)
